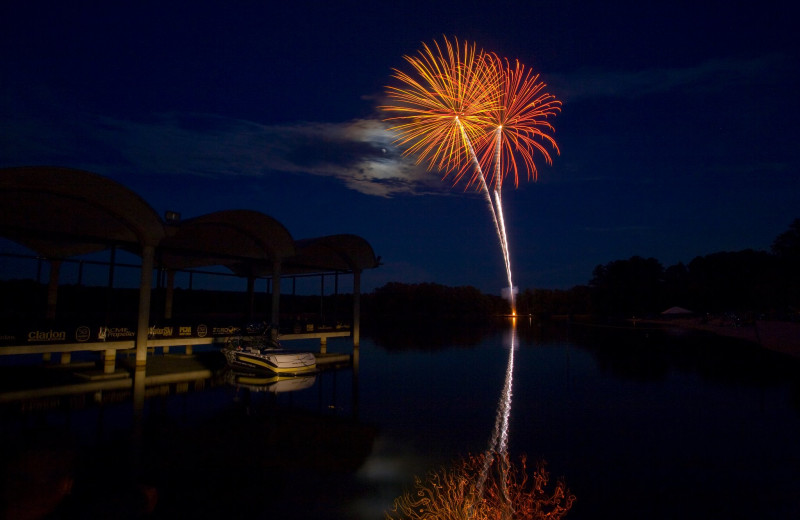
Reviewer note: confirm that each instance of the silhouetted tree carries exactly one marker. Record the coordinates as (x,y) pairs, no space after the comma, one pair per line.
(732,281)
(741,281)
(786,249)
(787,244)
(430,301)
(628,287)
(676,286)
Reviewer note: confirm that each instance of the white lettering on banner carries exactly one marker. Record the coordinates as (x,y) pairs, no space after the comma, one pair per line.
(160,331)
(115,333)
(50,335)
(225,331)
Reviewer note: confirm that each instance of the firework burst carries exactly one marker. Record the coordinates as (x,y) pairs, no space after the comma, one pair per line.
(465,110)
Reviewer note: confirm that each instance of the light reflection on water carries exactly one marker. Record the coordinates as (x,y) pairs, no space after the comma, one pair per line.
(638,423)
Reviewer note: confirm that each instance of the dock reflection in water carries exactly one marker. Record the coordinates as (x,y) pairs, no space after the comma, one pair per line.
(192,439)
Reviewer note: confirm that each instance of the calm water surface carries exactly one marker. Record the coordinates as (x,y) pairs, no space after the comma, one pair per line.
(639,423)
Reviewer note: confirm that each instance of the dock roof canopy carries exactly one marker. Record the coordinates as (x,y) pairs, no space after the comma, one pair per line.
(61,212)
(339,252)
(231,238)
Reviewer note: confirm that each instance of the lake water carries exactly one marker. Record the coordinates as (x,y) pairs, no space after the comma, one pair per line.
(638,423)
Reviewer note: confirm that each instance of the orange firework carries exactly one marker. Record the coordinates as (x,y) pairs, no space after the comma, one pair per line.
(446,105)
(467,110)
(520,127)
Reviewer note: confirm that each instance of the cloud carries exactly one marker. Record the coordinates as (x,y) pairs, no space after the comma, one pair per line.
(359,153)
(708,76)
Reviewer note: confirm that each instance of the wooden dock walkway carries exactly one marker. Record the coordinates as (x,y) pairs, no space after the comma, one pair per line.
(20,383)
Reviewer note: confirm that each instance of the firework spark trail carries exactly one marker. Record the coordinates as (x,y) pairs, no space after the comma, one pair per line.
(481,179)
(504,245)
(500,217)
(495,209)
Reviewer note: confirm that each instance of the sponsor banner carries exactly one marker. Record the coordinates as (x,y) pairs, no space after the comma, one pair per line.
(54,334)
(48,335)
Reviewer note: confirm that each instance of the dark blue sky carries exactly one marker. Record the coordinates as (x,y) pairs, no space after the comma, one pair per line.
(679,131)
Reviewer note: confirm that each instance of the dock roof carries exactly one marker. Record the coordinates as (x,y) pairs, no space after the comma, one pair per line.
(63,212)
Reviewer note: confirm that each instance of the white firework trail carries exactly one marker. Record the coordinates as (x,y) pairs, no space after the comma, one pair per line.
(495,208)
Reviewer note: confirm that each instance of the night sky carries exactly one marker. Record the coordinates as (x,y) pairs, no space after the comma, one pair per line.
(679,130)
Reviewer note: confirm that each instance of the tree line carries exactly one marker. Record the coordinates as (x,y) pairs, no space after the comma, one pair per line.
(742,281)
(764,282)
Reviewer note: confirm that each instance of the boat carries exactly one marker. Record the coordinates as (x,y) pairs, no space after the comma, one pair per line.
(257,350)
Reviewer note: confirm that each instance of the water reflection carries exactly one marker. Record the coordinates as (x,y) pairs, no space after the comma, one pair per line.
(247,382)
(258,456)
(39,473)
(489,486)
(498,445)
(669,426)
(665,422)
(422,335)
(654,353)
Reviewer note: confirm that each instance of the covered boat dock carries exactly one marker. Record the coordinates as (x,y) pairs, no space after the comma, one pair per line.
(61,214)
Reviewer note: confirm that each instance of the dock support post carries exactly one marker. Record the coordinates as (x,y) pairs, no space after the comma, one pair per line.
(356,308)
(109,361)
(52,301)
(276,298)
(52,289)
(139,388)
(145,291)
(169,295)
(251,297)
